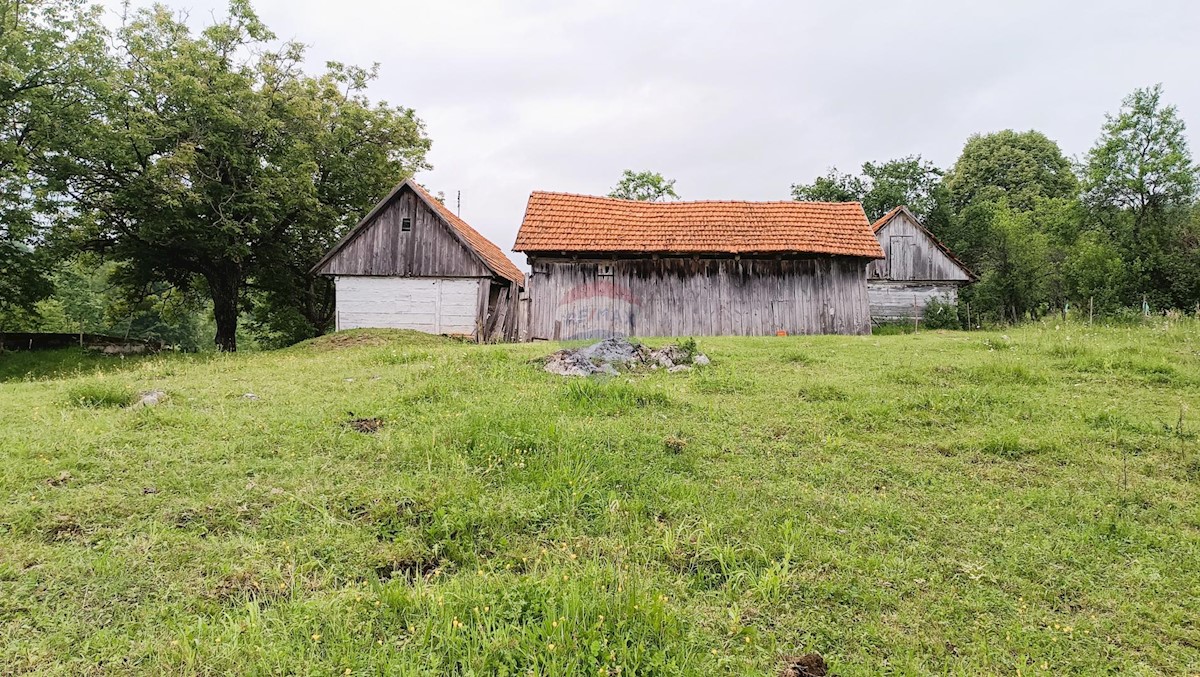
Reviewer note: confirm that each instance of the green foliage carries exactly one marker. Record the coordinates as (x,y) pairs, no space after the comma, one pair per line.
(224,165)
(1141,191)
(908,181)
(1141,162)
(1016,266)
(941,314)
(644,186)
(1096,274)
(89,298)
(51,53)
(1018,167)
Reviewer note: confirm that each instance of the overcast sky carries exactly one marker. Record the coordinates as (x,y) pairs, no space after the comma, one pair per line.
(734,100)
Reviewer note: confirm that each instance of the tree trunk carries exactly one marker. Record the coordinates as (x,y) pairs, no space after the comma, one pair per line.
(318,307)
(225,289)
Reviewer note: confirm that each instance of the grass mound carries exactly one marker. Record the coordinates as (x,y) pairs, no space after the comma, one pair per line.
(372,338)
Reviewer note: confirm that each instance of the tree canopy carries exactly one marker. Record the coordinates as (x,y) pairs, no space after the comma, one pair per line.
(908,181)
(1016,166)
(645,186)
(51,54)
(214,162)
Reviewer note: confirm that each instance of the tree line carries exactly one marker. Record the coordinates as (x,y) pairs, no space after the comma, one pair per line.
(151,171)
(1116,232)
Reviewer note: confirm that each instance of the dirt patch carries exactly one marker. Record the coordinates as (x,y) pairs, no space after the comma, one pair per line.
(808,665)
(367,426)
(64,529)
(63,478)
(614,355)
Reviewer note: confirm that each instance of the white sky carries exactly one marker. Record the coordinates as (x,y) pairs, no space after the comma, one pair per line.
(734,100)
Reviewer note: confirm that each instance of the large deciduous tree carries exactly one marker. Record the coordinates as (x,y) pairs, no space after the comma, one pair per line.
(1141,188)
(215,162)
(1016,166)
(645,186)
(51,52)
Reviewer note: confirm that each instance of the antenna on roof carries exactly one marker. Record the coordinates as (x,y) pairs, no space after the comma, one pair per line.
(458,204)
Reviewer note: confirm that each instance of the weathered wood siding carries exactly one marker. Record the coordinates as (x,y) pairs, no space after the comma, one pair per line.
(428,250)
(901,300)
(912,255)
(669,296)
(429,304)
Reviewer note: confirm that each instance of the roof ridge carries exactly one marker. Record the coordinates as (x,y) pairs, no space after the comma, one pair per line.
(667,203)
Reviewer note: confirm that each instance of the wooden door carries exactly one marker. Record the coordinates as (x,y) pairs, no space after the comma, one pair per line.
(900,257)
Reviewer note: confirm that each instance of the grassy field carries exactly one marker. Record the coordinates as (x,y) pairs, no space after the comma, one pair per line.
(936,503)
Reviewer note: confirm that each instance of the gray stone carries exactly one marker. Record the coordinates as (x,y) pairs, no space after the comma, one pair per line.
(611,355)
(150,398)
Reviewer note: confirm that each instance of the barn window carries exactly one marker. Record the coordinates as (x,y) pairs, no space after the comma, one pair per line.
(406,224)
(606,269)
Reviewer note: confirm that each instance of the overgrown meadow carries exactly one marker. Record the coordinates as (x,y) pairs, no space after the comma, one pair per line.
(389,503)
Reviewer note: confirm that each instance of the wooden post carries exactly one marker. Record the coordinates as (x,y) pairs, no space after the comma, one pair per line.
(916,315)
(969,325)
(1091,309)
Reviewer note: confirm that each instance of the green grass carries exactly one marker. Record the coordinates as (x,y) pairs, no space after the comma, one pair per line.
(929,503)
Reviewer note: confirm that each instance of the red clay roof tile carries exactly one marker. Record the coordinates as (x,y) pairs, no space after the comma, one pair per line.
(560,222)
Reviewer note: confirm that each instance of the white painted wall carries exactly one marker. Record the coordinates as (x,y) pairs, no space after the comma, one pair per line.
(437,305)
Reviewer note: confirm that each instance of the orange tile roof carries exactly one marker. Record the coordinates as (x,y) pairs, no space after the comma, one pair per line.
(888,217)
(562,222)
(487,250)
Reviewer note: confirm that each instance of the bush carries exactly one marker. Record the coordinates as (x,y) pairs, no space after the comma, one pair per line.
(941,314)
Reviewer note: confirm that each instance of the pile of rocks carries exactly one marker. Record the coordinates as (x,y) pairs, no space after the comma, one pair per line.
(611,356)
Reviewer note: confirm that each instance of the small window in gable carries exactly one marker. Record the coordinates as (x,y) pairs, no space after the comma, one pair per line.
(606,269)
(406,224)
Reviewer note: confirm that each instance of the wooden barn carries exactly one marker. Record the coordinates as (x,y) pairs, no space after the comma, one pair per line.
(604,267)
(916,269)
(411,263)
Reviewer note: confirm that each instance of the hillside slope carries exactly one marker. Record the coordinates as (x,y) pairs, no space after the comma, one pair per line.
(931,503)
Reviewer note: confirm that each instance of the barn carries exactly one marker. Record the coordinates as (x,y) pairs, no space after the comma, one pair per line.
(917,268)
(412,263)
(605,267)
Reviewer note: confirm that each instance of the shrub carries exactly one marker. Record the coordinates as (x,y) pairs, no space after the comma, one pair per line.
(941,314)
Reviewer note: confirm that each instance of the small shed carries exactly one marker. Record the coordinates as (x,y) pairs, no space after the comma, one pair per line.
(605,267)
(412,263)
(916,269)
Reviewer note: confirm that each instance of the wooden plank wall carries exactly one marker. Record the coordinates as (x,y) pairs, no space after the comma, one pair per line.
(897,300)
(429,250)
(912,255)
(674,296)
